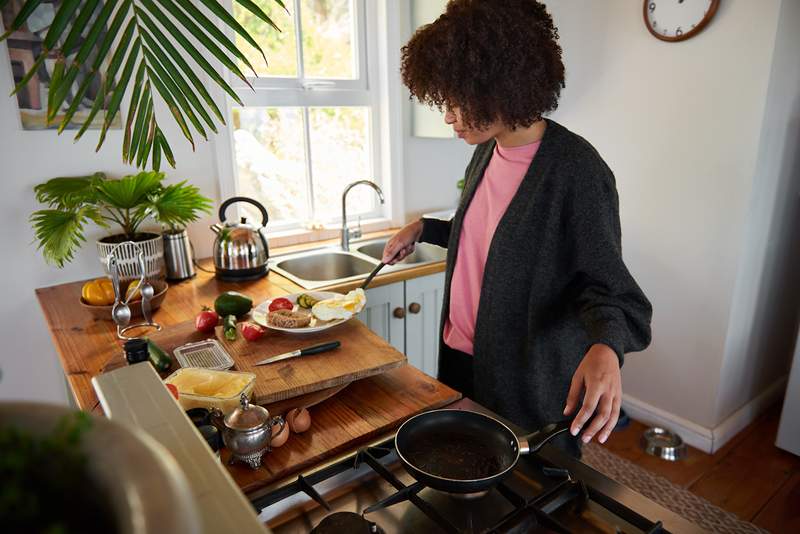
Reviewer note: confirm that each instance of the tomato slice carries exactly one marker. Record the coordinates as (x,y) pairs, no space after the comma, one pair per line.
(280,304)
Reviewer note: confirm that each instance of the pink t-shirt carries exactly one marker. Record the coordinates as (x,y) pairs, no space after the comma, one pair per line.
(500,182)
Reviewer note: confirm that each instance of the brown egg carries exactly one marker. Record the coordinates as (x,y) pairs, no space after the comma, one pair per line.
(279,436)
(299,420)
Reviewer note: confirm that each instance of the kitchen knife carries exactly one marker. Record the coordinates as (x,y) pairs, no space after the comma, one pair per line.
(314,349)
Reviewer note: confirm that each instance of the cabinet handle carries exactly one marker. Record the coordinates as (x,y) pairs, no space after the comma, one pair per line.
(399,313)
(414,307)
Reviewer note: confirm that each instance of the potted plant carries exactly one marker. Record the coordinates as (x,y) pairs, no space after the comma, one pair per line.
(74,202)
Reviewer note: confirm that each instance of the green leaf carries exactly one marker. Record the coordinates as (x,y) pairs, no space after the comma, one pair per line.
(190,48)
(144,148)
(135,98)
(111,34)
(176,93)
(130,191)
(179,204)
(78,26)
(55,79)
(216,33)
(61,232)
(76,101)
(280,3)
(99,100)
(225,16)
(98,25)
(22,17)
(145,108)
(173,107)
(69,191)
(33,70)
(156,153)
(174,73)
(253,8)
(187,69)
(119,91)
(162,141)
(198,34)
(59,22)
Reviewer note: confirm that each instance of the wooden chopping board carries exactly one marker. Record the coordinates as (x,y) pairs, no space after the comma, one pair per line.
(362,354)
(363,411)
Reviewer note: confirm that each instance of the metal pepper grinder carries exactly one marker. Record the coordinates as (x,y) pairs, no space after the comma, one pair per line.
(178,255)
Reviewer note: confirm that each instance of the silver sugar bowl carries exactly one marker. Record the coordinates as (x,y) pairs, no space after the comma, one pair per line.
(247,431)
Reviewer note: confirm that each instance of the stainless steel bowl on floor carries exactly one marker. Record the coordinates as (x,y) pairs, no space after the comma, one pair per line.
(664,443)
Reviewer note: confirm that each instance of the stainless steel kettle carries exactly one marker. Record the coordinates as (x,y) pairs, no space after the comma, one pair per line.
(240,249)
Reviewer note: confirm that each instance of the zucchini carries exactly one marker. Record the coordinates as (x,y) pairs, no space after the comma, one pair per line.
(229,327)
(233,303)
(160,359)
(306,301)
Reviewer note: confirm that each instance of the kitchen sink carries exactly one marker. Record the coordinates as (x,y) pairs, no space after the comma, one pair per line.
(314,269)
(324,267)
(423,252)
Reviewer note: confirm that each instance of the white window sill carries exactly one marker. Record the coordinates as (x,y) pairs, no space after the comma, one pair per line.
(300,236)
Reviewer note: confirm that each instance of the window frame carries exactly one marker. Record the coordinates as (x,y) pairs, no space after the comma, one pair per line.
(305,93)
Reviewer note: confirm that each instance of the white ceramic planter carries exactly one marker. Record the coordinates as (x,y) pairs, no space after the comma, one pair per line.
(150,244)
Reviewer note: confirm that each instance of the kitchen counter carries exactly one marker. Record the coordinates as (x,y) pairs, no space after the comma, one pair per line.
(85,345)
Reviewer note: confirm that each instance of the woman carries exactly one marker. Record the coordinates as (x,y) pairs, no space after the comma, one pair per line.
(539,307)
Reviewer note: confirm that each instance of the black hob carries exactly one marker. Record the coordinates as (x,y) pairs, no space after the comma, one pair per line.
(547,492)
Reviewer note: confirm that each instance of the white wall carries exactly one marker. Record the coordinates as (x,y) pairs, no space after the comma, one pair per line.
(680,125)
(29,365)
(764,316)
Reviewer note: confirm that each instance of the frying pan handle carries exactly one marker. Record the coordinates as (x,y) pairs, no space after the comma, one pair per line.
(536,440)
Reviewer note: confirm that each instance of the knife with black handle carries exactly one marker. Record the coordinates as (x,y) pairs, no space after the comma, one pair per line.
(314,349)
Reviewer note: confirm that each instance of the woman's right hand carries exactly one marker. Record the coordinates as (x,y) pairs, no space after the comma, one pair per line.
(402,243)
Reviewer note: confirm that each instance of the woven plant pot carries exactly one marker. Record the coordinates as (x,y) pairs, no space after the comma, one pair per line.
(150,244)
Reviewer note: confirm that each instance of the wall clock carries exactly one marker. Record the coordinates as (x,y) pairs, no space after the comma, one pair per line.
(678,20)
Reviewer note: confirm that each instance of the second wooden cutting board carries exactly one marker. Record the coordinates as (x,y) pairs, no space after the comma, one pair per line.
(362,354)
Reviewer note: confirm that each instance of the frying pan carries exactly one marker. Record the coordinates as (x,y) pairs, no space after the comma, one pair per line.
(460,451)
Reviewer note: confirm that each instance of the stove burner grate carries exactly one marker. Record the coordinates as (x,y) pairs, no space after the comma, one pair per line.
(348,522)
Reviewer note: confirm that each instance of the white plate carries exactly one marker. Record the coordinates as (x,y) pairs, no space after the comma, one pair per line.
(260,314)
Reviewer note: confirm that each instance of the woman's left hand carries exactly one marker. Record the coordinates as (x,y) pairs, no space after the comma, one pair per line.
(599,376)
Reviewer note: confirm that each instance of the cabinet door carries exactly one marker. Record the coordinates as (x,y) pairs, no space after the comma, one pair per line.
(384,304)
(423,312)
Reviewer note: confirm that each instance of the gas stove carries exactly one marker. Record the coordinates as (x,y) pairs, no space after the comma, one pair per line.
(368,491)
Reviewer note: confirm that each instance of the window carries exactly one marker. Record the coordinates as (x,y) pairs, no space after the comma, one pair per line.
(309,127)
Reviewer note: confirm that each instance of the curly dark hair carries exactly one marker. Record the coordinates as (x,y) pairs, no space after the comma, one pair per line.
(493,59)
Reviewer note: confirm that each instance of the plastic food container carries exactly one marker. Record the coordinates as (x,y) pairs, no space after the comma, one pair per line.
(207,388)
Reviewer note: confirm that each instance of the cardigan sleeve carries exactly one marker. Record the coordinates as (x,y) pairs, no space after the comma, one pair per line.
(613,309)
(435,232)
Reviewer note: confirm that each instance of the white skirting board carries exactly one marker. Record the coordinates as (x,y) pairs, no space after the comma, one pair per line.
(707,440)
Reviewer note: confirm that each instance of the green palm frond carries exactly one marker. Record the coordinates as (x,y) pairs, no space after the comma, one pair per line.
(68,192)
(119,45)
(129,192)
(61,232)
(178,204)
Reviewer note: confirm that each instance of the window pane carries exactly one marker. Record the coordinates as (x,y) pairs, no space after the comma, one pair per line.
(270,160)
(340,154)
(279,46)
(327,36)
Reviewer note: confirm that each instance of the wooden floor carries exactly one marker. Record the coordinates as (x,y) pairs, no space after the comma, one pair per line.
(749,476)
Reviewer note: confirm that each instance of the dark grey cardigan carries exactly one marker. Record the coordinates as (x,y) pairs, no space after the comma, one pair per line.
(554,282)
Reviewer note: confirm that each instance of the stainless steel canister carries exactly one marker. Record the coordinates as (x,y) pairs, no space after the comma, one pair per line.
(178,255)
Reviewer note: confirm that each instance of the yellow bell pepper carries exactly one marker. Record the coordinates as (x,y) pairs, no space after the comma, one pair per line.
(98,292)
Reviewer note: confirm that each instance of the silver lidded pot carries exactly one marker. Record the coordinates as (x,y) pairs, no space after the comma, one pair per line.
(240,248)
(247,431)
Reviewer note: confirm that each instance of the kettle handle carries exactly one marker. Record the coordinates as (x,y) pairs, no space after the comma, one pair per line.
(261,208)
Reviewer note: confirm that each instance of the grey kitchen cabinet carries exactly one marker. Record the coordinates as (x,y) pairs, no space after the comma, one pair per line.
(407,315)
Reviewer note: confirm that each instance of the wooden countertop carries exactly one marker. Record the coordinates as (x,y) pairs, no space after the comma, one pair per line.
(85,344)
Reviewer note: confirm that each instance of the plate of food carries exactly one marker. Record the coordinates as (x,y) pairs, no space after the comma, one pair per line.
(311,311)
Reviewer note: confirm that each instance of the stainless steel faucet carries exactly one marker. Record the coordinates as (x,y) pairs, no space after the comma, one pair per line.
(346,233)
